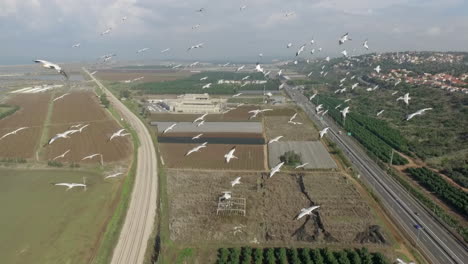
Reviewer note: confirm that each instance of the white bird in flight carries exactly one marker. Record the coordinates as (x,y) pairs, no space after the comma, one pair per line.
(50,65)
(60,97)
(142,50)
(258,111)
(301,166)
(275,139)
(235,181)
(196,26)
(237,95)
(118,134)
(230,155)
(288,14)
(377,69)
(259,68)
(300,50)
(201,123)
(13,132)
(124,18)
(197,46)
(196,149)
(240,68)
(91,156)
(312,97)
(306,211)
(354,86)
(365,45)
(203,78)
(276,169)
(419,112)
(243,7)
(380,112)
(71,185)
(62,155)
(200,118)
(324,131)
(320,106)
(107,31)
(197,136)
(289,45)
(405,98)
(208,85)
(165,50)
(245,78)
(113,175)
(76,45)
(345,111)
(345,53)
(169,128)
(293,117)
(343,39)
(61,135)
(226,196)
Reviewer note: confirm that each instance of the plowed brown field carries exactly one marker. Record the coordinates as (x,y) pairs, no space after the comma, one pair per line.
(251,157)
(32,112)
(84,108)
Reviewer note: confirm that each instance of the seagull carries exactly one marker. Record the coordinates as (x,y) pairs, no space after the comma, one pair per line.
(345,111)
(197,136)
(320,106)
(94,72)
(230,155)
(13,132)
(281,86)
(345,53)
(225,65)
(347,100)
(60,135)
(118,134)
(342,80)
(405,98)
(260,54)
(293,117)
(76,45)
(336,107)
(312,97)
(235,181)
(240,68)
(324,131)
(196,149)
(419,112)
(169,128)
(165,50)
(208,85)
(50,65)
(288,14)
(237,95)
(91,156)
(327,59)
(200,10)
(377,69)
(289,45)
(300,50)
(243,7)
(142,50)
(365,45)
(397,83)
(107,31)
(200,118)
(199,45)
(113,175)
(324,112)
(306,211)
(301,166)
(194,64)
(60,97)
(226,196)
(312,51)
(71,185)
(276,169)
(201,123)
(245,78)
(380,112)
(196,26)
(275,139)
(280,72)
(258,111)
(61,156)
(395,92)
(309,74)
(354,86)
(343,39)
(259,68)
(124,18)
(203,78)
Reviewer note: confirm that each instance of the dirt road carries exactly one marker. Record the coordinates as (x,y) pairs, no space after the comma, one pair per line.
(141,213)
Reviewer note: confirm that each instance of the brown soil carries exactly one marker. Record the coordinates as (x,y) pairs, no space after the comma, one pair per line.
(32,113)
(150,75)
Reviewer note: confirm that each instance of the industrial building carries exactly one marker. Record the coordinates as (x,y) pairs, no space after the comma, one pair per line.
(195,103)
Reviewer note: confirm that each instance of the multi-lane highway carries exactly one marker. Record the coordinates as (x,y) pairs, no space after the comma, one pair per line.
(141,212)
(430,236)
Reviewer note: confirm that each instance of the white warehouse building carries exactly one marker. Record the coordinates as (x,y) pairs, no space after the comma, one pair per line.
(196,103)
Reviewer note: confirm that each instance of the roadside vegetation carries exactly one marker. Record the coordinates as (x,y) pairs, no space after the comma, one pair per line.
(6,110)
(248,255)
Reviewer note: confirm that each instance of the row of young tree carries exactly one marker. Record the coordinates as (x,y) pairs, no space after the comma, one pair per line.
(11,110)
(373,134)
(248,255)
(450,194)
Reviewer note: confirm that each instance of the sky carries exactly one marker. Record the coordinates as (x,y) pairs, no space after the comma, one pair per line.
(47,29)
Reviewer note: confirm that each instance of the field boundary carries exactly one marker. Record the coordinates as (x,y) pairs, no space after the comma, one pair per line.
(45,129)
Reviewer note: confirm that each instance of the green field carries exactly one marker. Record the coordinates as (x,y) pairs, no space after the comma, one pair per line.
(43,223)
(6,110)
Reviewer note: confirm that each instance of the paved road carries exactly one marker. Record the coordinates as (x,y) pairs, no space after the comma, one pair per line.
(141,212)
(437,244)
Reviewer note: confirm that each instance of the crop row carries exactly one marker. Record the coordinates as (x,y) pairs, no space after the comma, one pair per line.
(247,255)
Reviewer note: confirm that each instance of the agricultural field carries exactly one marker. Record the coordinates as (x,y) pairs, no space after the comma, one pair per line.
(32,113)
(276,124)
(84,108)
(238,114)
(344,218)
(46,223)
(251,157)
(120,75)
(311,152)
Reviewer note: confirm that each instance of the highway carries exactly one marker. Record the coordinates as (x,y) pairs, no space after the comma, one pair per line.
(432,239)
(141,213)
